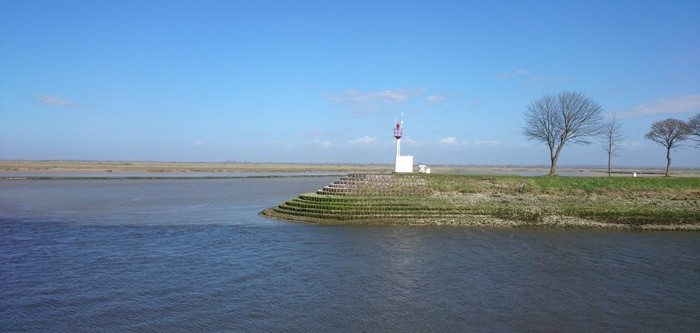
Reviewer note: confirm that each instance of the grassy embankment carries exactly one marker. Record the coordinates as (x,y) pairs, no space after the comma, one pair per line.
(636,203)
(631,201)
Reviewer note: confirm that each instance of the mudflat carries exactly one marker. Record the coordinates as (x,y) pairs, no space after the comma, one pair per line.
(47,167)
(112,167)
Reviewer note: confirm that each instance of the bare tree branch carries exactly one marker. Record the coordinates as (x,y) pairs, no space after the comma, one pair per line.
(558,119)
(669,133)
(694,128)
(612,138)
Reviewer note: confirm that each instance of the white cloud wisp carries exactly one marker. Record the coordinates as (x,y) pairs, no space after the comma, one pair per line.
(669,105)
(365,102)
(363,141)
(54,100)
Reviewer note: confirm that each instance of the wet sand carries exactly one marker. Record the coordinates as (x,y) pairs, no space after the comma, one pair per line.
(107,168)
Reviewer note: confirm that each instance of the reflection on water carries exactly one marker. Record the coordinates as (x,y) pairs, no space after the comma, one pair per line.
(193,255)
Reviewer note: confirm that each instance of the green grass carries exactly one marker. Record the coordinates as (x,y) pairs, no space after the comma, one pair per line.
(477,184)
(557,184)
(602,184)
(629,200)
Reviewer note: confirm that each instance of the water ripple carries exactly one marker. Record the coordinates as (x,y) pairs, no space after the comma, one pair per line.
(155,265)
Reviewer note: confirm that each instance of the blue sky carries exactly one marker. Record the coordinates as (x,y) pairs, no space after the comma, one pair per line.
(323,81)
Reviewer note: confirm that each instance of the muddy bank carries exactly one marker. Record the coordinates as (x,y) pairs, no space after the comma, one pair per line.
(115,167)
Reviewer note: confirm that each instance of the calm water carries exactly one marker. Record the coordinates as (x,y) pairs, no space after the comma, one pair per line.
(175,255)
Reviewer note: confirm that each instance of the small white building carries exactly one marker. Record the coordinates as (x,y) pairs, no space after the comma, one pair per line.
(422,168)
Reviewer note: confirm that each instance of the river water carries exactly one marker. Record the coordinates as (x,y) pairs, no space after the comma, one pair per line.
(182,255)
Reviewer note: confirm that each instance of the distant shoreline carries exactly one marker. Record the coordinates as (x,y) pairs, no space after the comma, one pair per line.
(117,167)
(113,169)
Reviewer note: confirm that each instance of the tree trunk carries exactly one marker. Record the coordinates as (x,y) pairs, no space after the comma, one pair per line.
(668,160)
(609,153)
(553,168)
(555,157)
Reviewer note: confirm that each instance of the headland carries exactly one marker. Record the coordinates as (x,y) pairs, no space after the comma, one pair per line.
(642,203)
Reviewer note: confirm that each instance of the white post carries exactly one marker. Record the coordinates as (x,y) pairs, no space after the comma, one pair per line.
(398,154)
(398,147)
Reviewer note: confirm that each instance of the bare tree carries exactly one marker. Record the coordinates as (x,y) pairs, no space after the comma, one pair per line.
(613,136)
(562,118)
(669,133)
(694,128)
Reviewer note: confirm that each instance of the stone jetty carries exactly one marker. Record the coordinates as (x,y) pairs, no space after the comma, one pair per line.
(371,199)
